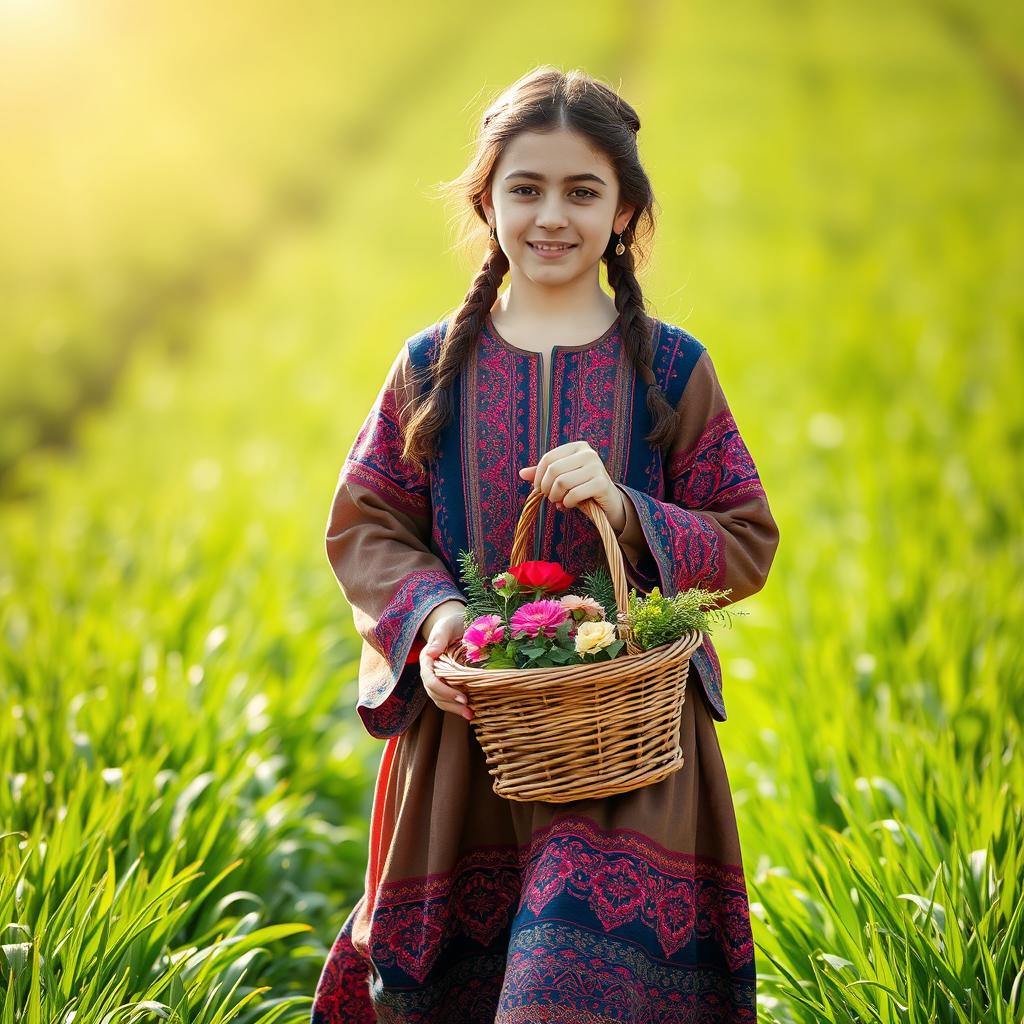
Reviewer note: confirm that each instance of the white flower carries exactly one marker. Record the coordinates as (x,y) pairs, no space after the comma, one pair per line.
(594,636)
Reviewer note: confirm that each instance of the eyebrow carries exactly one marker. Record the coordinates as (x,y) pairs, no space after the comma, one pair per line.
(569,177)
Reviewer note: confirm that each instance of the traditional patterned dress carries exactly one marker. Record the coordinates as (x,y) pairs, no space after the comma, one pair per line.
(480,910)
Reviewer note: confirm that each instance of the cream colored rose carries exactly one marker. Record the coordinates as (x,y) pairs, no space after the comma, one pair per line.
(593,636)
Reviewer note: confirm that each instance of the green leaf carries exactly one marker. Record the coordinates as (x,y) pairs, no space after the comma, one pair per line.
(500,660)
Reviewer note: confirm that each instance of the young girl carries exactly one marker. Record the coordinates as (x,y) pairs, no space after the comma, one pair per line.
(478,909)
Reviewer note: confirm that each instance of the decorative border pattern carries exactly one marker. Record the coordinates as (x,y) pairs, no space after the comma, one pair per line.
(375,460)
(717,472)
(390,700)
(556,972)
(686,546)
(399,623)
(343,991)
(581,924)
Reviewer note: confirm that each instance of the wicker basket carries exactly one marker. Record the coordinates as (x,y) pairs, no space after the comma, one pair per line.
(578,732)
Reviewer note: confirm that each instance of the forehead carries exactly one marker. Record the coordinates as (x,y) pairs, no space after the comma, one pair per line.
(554,154)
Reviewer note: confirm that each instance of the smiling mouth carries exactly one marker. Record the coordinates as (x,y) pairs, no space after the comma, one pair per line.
(551,248)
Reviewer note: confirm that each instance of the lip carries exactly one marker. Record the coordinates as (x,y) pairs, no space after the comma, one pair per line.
(569,246)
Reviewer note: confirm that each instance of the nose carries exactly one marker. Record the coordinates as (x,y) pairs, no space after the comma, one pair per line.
(551,213)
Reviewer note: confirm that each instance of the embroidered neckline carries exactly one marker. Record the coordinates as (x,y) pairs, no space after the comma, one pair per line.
(496,335)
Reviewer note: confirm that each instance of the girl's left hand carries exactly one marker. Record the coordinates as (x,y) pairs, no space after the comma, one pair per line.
(574,471)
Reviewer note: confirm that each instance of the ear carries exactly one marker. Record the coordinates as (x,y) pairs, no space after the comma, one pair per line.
(622,217)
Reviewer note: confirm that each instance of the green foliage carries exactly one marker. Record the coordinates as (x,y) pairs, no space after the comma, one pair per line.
(503,657)
(548,652)
(656,619)
(598,585)
(481,598)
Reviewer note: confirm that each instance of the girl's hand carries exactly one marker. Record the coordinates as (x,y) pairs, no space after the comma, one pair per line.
(445,631)
(574,471)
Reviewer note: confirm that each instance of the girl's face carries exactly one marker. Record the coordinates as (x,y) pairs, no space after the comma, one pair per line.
(555,187)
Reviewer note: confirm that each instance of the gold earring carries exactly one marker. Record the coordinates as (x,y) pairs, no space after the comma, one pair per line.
(620,248)
(491,235)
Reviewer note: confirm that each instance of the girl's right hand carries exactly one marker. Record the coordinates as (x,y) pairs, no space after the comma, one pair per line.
(446,631)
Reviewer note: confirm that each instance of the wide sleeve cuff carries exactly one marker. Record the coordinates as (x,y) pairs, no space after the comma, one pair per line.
(391,693)
(641,570)
(684,547)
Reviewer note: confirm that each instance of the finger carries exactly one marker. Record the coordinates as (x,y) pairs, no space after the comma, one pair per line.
(448,694)
(588,489)
(565,482)
(569,460)
(430,681)
(457,709)
(539,470)
(449,705)
(564,457)
(439,691)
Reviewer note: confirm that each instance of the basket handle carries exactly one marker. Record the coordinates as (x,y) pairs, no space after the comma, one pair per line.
(592,509)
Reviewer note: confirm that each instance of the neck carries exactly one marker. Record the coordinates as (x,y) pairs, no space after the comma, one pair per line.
(569,306)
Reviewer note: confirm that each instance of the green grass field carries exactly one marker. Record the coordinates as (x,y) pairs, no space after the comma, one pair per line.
(183,819)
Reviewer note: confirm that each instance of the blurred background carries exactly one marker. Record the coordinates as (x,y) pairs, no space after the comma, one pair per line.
(219,225)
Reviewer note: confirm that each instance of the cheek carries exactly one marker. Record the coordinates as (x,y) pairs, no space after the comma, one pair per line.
(600,223)
(516,219)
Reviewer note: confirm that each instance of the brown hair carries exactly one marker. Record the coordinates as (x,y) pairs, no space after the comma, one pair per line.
(547,99)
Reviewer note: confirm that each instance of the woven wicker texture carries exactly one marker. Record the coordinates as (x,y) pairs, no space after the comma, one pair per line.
(578,732)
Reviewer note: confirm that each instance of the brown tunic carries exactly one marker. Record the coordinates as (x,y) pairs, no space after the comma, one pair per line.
(630,908)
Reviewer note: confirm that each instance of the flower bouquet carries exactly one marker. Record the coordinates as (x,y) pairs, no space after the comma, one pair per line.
(576,695)
(526,618)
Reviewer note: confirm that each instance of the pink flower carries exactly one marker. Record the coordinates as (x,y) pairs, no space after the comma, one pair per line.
(538,617)
(589,608)
(483,631)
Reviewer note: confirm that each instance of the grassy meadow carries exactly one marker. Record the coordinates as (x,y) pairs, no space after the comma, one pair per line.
(217,234)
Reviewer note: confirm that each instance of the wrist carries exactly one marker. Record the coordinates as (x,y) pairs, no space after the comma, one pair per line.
(443,609)
(618,522)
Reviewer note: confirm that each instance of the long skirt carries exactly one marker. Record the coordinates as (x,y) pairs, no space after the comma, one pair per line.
(481,910)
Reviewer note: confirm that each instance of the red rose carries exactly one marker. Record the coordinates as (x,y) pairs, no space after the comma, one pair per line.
(542,575)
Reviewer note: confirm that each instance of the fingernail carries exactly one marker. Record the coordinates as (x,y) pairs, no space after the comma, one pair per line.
(462,700)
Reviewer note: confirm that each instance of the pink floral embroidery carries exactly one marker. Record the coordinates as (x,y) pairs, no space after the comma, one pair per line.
(626,878)
(717,472)
(485,907)
(343,993)
(375,460)
(416,919)
(617,894)
(513,919)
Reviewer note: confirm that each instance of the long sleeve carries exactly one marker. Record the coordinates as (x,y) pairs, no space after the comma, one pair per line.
(714,528)
(377,542)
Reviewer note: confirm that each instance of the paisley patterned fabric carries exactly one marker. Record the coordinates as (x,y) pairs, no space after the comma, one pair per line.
(632,908)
